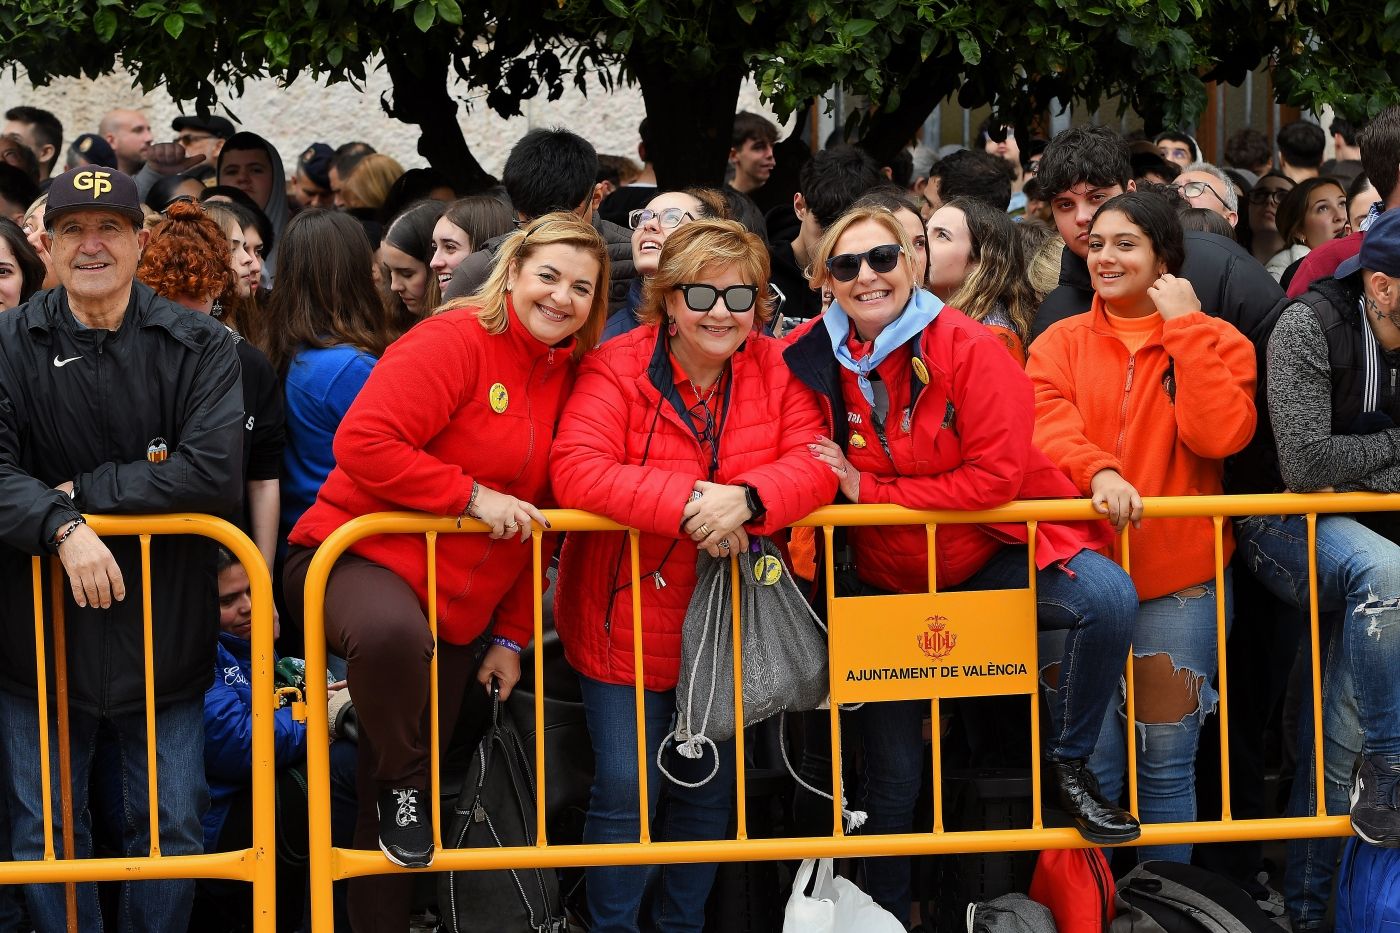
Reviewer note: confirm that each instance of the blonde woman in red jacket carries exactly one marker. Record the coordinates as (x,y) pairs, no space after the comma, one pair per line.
(927,410)
(1145,395)
(456,419)
(694,401)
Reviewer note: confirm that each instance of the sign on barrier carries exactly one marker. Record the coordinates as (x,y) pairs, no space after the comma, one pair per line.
(933,645)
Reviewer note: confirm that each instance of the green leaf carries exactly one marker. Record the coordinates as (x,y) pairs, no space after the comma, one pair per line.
(970,50)
(450,12)
(191,9)
(400,4)
(334,55)
(858,27)
(148,10)
(616,8)
(746,12)
(926,44)
(104,23)
(174,24)
(424,15)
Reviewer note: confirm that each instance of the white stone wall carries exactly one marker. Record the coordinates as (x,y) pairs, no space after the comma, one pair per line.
(306,112)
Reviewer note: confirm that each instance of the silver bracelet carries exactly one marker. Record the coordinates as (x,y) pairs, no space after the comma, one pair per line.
(470,510)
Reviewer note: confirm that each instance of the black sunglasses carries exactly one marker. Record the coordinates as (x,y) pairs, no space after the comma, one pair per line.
(737,298)
(881,259)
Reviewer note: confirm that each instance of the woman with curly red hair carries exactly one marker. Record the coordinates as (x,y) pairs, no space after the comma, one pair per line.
(187,260)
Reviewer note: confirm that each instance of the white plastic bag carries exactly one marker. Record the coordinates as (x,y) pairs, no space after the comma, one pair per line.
(835,905)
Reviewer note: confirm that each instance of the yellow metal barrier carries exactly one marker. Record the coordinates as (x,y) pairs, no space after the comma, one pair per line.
(330,864)
(255,864)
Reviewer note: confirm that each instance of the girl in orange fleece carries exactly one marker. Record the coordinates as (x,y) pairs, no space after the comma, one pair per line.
(1146,395)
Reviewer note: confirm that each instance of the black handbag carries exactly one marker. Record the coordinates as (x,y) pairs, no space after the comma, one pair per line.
(496,807)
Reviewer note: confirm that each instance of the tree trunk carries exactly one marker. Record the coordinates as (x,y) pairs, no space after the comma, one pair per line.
(690,118)
(421,97)
(890,130)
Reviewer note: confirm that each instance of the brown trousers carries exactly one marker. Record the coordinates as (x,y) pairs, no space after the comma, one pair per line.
(374,621)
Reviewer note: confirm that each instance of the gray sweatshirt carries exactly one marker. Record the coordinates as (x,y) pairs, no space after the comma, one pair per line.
(1310,456)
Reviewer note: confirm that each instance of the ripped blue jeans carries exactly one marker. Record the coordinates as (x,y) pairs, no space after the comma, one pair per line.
(1358,574)
(1182,626)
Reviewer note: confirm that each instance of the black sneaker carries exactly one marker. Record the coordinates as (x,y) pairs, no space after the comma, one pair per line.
(1375,815)
(405,827)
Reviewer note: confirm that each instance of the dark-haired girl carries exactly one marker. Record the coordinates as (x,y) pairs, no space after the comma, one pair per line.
(410,288)
(331,327)
(1146,395)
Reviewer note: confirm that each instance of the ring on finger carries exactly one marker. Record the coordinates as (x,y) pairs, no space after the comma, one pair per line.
(704,531)
(724,545)
(512,525)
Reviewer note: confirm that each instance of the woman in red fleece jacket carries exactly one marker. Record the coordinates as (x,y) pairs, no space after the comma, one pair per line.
(694,433)
(456,419)
(1145,395)
(930,412)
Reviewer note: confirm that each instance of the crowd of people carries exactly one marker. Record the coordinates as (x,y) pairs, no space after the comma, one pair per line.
(189,328)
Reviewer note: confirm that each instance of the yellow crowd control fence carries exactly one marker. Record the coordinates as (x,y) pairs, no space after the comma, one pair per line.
(992,633)
(255,864)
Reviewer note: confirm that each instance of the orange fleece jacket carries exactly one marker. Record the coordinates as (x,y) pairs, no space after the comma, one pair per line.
(1165,418)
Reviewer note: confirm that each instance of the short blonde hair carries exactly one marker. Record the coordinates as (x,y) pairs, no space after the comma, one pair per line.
(369,184)
(817,273)
(1043,270)
(706,244)
(561,228)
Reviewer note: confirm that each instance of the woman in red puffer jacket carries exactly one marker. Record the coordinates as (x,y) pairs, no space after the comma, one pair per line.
(694,433)
(456,420)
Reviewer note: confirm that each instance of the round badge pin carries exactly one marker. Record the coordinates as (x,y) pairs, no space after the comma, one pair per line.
(499,397)
(921,370)
(767,570)
(857,441)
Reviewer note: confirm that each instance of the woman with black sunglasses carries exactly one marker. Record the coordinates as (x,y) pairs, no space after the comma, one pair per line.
(690,429)
(931,412)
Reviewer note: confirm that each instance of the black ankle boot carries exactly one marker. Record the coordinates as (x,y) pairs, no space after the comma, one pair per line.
(1097,820)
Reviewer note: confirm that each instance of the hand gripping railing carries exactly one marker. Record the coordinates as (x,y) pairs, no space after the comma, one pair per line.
(329,863)
(254,864)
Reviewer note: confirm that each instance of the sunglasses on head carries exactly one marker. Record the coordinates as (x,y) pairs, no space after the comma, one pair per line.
(669,217)
(881,259)
(702,298)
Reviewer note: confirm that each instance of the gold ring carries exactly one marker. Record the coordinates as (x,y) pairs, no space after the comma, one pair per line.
(704,531)
(512,525)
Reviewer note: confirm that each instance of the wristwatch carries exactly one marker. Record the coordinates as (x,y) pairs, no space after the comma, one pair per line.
(754,503)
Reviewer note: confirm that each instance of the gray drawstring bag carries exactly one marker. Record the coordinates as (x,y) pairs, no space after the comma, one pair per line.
(782,640)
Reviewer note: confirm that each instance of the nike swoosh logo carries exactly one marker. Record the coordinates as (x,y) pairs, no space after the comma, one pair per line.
(62,363)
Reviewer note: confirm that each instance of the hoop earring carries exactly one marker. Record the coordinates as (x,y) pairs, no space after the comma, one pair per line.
(670,327)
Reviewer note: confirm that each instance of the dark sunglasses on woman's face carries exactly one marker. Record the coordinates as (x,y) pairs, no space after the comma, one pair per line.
(881,259)
(737,298)
(1268,195)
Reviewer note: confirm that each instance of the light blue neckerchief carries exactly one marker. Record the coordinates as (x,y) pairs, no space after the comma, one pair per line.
(920,312)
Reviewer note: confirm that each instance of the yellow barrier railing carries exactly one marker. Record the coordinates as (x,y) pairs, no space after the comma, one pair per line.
(329,863)
(254,864)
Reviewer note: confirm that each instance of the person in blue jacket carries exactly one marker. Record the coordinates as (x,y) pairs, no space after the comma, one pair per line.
(228,743)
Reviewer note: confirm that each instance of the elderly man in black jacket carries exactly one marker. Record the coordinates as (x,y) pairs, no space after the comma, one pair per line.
(112,400)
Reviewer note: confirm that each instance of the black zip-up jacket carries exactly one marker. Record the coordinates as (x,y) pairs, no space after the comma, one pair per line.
(86,405)
(1231,284)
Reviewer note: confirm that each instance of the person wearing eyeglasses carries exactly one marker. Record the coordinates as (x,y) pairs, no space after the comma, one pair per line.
(690,429)
(1264,198)
(650,226)
(929,411)
(1204,185)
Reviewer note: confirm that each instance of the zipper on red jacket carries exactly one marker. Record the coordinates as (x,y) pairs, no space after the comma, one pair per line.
(1123,410)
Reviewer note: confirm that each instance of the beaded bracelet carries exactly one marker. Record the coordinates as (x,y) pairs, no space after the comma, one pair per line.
(504,642)
(471,502)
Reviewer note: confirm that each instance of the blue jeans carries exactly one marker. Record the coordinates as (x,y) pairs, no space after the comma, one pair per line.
(1180,625)
(1358,573)
(1094,605)
(1312,863)
(145,905)
(687,814)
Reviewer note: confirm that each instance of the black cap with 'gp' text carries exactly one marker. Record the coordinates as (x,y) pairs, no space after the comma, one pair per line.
(94,188)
